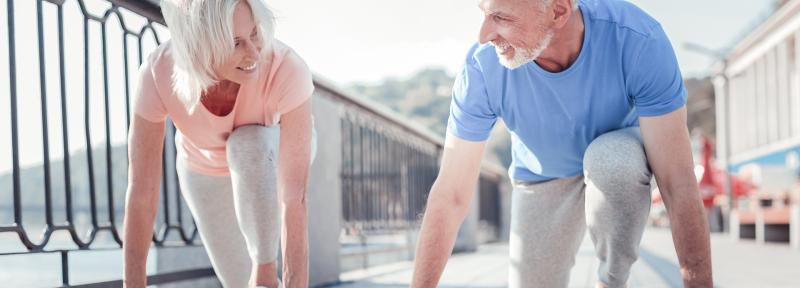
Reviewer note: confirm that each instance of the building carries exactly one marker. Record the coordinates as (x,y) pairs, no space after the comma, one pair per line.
(758,118)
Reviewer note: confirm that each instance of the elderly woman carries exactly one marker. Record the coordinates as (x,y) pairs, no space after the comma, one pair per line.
(240,100)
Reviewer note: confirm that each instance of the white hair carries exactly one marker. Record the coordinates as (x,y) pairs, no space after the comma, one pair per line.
(202,38)
(547,4)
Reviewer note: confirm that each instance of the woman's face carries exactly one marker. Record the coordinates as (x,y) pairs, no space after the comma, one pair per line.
(244,64)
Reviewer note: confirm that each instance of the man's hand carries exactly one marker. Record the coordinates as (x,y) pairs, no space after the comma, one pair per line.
(666,141)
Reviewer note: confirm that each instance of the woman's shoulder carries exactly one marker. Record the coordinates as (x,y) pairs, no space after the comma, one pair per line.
(291,81)
(288,68)
(160,59)
(287,60)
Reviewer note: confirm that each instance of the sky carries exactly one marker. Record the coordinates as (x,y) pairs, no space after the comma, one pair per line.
(345,41)
(368,40)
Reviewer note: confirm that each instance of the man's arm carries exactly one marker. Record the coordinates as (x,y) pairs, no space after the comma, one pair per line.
(447,206)
(666,141)
(293,168)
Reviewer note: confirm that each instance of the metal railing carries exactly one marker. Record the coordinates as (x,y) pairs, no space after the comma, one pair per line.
(386,174)
(388,167)
(172,220)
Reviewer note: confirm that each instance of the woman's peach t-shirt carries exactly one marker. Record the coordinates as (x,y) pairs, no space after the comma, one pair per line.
(283,85)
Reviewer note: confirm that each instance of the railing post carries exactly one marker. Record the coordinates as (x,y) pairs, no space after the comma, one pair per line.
(65,268)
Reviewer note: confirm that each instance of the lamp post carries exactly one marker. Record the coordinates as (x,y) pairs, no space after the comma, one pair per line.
(722,76)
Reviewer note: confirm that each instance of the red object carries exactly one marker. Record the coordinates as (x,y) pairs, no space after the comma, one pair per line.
(712,183)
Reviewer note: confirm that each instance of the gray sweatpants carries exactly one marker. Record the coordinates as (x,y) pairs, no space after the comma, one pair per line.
(611,198)
(238,216)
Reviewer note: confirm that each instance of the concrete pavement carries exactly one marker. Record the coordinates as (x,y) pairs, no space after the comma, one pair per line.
(736,264)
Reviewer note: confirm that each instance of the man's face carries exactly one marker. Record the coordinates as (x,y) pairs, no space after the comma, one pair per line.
(518,29)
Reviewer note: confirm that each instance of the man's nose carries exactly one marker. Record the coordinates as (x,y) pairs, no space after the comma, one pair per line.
(487,32)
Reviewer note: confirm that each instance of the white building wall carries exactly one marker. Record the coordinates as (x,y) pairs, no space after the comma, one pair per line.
(784,128)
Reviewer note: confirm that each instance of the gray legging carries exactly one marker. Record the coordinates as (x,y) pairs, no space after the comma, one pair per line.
(238,216)
(612,198)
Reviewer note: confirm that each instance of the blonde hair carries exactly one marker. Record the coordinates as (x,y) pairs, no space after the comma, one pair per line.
(202,38)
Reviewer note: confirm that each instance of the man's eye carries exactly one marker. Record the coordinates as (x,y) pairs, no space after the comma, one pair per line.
(498,18)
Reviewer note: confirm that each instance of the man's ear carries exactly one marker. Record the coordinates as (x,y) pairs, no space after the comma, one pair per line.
(561,11)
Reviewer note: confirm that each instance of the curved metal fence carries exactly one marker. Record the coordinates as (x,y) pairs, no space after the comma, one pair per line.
(96,170)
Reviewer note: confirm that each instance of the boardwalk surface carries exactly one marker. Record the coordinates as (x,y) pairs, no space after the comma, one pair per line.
(736,264)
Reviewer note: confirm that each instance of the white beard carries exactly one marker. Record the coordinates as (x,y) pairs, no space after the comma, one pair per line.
(523,56)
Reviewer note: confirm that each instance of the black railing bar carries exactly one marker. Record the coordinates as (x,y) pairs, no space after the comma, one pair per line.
(389,183)
(344,167)
(368,208)
(12,67)
(64,124)
(9,228)
(372,194)
(361,170)
(152,29)
(107,120)
(56,2)
(86,121)
(397,152)
(48,200)
(127,82)
(386,196)
(139,46)
(404,181)
(352,184)
(158,279)
(376,182)
(86,14)
(375,168)
(65,268)
(147,8)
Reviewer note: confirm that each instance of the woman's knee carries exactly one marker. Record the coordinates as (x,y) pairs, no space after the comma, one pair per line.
(253,144)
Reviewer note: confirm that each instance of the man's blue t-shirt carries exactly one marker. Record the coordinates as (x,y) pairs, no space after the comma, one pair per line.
(626,68)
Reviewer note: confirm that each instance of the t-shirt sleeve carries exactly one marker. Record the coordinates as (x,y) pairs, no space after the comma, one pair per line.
(293,83)
(655,84)
(147,102)
(471,117)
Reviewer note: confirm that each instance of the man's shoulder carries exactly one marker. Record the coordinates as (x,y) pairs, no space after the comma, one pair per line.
(483,58)
(622,15)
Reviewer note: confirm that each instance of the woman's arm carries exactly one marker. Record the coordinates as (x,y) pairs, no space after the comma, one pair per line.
(145,145)
(294,159)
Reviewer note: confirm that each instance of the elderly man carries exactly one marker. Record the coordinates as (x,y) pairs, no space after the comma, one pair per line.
(591,93)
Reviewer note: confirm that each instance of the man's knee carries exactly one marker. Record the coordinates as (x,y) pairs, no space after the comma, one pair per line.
(617,158)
